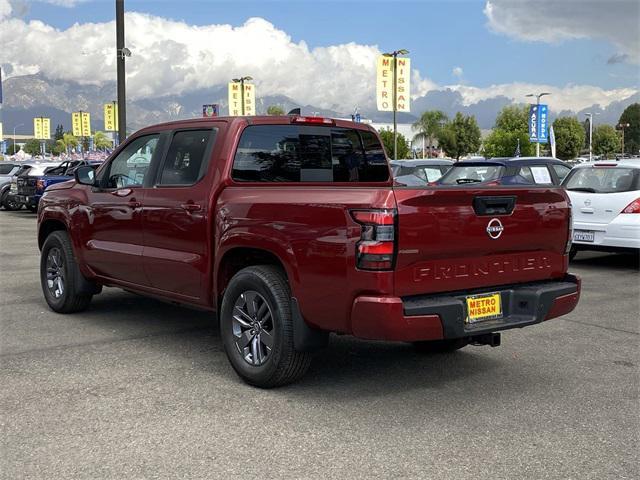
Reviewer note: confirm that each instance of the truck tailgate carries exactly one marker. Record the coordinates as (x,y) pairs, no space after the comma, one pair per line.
(462,238)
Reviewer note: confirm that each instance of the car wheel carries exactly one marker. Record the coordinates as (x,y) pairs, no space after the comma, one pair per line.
(572,253)
(441,346)
(9,204)
(257,329)
(32,208)
(60,276)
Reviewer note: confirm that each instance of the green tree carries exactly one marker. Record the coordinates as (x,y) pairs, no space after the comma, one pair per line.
(275,110)
(428,126)
(59,132)
(57,148)
(460,136)
(32,147)
(511,126)
(631,115)
(13,149)
(387,141)
(101,141)
(569,137)
(605,140)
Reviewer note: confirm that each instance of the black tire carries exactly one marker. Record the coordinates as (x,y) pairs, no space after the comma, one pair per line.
(9,204)
(573,252)
(283,364)
(70,299)
(32,209)
(441,346)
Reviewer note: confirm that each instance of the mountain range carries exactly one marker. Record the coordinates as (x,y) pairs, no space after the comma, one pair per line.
(29,96)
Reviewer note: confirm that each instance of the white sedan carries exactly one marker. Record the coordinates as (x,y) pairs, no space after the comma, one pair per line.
(605,197)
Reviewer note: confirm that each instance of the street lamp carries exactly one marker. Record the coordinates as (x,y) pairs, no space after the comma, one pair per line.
(622,126)
(121,53)
(590,115)
(395,54)
(538,97)
(241,81)
(14,136)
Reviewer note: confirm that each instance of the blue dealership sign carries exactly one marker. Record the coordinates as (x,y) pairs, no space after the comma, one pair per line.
(538,128)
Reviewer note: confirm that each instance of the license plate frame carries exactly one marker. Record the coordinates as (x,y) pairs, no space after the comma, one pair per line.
(483,307)
(587,236)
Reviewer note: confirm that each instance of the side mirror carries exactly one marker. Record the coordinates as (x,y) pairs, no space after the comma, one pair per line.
(85,175)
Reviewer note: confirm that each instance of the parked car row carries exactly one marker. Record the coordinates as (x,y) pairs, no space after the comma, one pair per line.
(23,184)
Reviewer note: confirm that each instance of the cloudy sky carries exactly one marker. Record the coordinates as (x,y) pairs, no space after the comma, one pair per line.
(323,52)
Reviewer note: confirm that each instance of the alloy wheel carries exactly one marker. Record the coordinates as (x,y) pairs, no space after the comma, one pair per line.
(253,328)
(55,273)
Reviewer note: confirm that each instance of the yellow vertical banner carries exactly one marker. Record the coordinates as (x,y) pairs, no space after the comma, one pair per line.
(1,133)
(403,84)
(384,84)
(110,117)
(249,99)
(235,107)
(46,129)
(86,124)
(37,127)
(76,124)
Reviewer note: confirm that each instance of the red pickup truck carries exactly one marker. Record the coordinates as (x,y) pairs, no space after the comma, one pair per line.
(290,228)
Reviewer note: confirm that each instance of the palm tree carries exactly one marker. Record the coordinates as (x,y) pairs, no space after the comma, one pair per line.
(100,141)
(428,126)
(68,141)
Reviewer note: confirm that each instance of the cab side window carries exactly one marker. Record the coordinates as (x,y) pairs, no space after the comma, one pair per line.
(185,162)
(561,171)
(131,166)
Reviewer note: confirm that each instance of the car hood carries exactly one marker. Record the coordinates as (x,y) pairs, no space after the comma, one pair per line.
(62,186)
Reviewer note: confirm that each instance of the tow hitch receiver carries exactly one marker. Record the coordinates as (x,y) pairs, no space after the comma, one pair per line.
(492,339)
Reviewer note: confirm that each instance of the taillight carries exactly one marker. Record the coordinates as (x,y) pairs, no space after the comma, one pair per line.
(376,248)
(633,207)
(567,248)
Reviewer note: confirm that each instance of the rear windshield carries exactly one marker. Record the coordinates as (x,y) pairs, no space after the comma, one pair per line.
(303,153)
(602,179)
(428,173)
(459,175)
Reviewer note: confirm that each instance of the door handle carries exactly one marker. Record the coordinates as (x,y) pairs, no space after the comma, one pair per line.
(191,207)
(587,210)
(134,204)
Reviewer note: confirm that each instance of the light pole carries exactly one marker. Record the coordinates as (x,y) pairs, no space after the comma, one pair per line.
(241,81)
(395,54)
(622,126)
(590,115)
(538,97)
(14,136)
(122,52)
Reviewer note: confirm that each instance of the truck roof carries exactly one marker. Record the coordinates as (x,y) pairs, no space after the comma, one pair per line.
(262,120)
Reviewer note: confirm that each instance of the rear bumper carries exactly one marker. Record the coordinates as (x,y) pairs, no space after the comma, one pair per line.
(622,232)
(434,317)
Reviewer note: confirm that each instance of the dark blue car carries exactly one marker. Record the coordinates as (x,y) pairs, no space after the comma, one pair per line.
(507,171)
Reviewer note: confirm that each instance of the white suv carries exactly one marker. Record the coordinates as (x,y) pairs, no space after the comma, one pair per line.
(606,205)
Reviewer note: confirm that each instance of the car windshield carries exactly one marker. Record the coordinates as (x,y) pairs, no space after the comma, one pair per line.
(602,179)
(6,169)
(463,174)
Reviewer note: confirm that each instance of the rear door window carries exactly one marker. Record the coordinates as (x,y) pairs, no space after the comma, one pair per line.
(186,161)
(303,153)
(459,175)
(541,174)
(561,171)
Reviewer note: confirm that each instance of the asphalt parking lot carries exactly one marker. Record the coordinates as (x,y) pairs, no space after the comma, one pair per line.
(135,388)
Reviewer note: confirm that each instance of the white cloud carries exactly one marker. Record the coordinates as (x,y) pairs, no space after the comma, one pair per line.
(569,97)
(5,9)
(553,21)
(457,72)
(171,57)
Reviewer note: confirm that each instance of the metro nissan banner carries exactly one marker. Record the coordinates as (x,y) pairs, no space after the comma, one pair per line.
(384,84)
(235,99)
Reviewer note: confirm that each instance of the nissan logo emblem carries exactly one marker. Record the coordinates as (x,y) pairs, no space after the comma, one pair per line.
(495,228)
